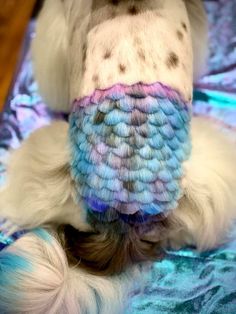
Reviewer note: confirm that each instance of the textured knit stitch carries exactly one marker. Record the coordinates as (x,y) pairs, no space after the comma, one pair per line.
(128,146)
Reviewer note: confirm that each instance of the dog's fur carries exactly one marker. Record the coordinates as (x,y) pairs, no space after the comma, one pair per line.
(36,278)
(208,208)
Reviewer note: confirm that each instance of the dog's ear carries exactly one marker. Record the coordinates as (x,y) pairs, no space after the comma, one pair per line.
(206,212)
(39,188)
(49,52)
(57,24)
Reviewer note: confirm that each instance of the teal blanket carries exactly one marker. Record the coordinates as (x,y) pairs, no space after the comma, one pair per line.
(188,282)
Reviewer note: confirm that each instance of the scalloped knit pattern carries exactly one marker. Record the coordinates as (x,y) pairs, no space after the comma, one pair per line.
(128,144)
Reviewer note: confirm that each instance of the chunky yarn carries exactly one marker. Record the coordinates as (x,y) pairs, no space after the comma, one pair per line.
(128,145)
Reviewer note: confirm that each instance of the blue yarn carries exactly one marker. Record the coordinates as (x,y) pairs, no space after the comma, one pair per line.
(128,148)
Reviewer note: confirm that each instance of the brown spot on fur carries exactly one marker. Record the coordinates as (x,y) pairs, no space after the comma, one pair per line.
(72,34)
(84,57)
(180,35)
(99,118)
(107,54)
(141,54)
(133,10)
(84,52)
(154,66)
(184,26)
(95,78)
(172,60)
(122,68)
(129,186)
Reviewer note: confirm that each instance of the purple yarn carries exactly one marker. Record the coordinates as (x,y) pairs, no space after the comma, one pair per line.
(128,144)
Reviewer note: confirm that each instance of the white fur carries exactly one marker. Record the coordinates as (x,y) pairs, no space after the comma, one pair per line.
(49,51)
(141,43)
(39,187)
(49,285)
(207,211)
(63,30)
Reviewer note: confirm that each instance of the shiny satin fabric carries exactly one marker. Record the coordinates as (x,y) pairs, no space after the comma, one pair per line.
(184,282)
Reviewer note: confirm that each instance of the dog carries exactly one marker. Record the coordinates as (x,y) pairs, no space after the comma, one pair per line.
(81,47)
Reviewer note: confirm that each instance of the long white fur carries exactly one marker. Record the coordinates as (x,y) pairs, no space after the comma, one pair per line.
(50,55)
(208,208)
(64,29)
(49,285)
(39,188)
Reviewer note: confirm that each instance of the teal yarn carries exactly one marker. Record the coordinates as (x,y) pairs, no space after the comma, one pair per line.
(128,145)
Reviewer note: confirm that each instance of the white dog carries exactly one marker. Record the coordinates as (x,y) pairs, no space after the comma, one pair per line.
(85,45)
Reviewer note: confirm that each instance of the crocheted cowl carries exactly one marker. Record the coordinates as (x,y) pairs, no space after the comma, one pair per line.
(128,145)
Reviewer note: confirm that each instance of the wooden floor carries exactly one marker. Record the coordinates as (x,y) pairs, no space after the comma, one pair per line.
(14,17)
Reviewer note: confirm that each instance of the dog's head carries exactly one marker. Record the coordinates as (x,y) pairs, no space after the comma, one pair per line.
(112,247)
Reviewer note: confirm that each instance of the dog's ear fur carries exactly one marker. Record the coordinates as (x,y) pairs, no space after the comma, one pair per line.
(39,188)
(208,208)
(50,48)
(49,52)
